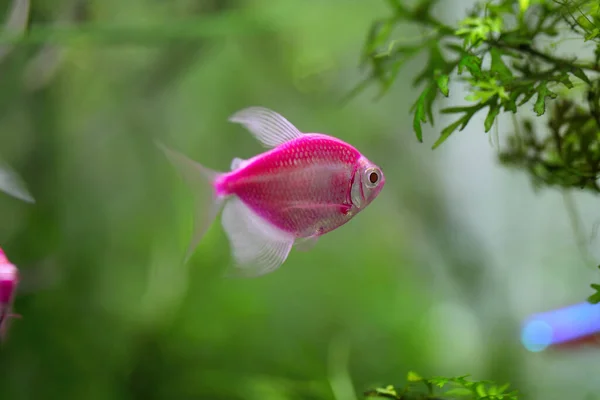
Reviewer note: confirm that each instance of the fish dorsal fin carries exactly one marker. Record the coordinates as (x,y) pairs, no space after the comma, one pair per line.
(237,163)
(267,126)
(257,246)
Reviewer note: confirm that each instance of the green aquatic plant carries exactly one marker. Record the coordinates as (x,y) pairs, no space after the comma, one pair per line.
(499,52)
(595,297)
(440,388)
(505,53)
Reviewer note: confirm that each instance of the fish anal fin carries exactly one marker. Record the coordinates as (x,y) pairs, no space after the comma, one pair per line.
(306,244)
(257,246)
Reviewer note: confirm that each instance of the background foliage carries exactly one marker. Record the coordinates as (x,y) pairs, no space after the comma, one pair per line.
(109,312)
(505,52)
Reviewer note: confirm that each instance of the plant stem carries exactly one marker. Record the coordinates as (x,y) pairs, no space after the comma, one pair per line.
(546,57)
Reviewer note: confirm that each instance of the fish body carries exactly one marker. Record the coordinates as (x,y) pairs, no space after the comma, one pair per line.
(306,185)
(302,187)
(9,280)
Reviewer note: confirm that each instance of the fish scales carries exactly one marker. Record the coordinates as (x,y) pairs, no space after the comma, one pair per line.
(302,187)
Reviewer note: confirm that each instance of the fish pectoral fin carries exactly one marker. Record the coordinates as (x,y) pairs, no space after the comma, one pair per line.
(267,126)
(237,163)
(306,244)
(343,208)
(258,247)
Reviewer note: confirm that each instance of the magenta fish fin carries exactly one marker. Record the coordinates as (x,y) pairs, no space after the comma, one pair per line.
(201,180)
(258,247)
(306,244)
(267,126)
(12,184)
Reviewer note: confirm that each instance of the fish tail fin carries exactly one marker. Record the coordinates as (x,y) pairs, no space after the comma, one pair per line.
(4,321)
(199,178)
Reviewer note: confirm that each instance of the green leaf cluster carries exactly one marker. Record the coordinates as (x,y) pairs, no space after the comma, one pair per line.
(566,153)
(440,388)
(497,51)
(595,298)
(494,50)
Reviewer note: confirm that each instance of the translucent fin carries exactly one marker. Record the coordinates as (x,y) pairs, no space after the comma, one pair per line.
(16,23)
(44,275)
(237,163)
(257,246)
(200,179)
(12,184)
(267,126)
(42,67)
(4,322)
(306,244)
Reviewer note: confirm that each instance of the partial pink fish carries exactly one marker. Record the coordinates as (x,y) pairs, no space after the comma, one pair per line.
(306,185)
(9,280)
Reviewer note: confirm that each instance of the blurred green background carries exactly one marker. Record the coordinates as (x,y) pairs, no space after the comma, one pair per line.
(110,312)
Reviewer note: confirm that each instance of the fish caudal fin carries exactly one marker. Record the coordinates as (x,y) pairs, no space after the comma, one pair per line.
(201,181)
(257,246)
(12,184)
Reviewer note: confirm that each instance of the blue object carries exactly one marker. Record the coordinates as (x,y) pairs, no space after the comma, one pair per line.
(561,325)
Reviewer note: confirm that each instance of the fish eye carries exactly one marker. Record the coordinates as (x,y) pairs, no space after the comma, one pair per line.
(372,177)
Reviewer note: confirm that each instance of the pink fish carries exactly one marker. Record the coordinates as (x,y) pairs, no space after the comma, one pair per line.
(9,280)
(305,186)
